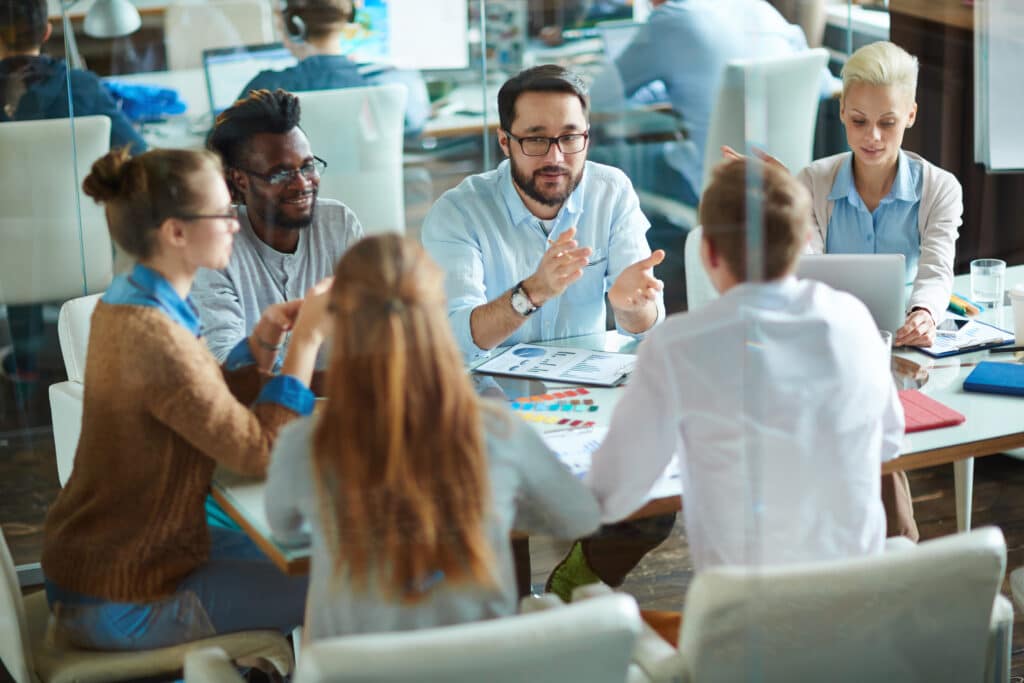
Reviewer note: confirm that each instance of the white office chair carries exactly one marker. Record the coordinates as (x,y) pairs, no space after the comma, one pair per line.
(771,102)
(32,655)
(47,254)
(591,641)
(66,397)
(191,26)
(929,612)
(359,131)
(699,290)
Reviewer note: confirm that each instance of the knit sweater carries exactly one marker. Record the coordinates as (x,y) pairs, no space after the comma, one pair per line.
(159,414)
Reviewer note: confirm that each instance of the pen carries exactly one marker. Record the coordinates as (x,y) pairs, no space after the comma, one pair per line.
(978,345)
(1006,349)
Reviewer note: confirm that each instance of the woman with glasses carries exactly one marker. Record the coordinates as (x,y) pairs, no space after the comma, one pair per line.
(409,482)
(128,558)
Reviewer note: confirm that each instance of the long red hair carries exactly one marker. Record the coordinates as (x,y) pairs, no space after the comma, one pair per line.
(399,449)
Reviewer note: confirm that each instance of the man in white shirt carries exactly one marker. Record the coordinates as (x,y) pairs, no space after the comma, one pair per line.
(777,399)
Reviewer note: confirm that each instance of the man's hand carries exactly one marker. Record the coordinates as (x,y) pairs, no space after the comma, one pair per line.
(561,265)
(636,286)
(918,330)
(729,154)
(268,335)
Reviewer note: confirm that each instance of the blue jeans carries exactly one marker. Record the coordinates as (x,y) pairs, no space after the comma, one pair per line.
(237,589)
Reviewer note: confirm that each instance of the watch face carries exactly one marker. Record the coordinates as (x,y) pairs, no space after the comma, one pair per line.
(521,304)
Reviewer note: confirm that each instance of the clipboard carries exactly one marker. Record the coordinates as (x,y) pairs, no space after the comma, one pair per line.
(973,335)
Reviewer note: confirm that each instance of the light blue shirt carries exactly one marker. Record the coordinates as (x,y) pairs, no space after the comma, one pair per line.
(146,287)
(892,228)
(486,240)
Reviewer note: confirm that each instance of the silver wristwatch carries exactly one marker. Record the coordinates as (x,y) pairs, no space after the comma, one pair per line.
(521,303)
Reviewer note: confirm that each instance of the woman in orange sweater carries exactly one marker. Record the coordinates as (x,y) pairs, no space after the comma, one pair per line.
(128,558)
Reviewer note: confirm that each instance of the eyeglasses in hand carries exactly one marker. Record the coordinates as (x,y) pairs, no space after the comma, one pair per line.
(311,170)
(538,146)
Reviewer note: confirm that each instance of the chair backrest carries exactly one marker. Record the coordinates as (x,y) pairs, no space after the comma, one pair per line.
(359,131)
(699,290)
(588,641)
(73,325)
(191,26)
(14,639)
(789,87)
(918,614)
(45,256)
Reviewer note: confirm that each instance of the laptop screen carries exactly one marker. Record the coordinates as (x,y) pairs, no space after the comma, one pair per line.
(229,69)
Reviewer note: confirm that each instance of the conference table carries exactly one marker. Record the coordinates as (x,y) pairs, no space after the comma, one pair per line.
(994,424)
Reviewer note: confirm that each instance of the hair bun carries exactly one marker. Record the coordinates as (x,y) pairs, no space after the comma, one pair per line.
(110,176)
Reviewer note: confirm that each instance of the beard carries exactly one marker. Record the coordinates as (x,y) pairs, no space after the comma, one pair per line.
(274,217)
(529,185)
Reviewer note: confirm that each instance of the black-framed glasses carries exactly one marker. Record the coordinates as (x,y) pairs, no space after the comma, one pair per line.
(231,214)
(538,146)
(311,170)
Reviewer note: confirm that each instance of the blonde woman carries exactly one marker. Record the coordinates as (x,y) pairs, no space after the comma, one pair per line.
(879,198)
(409,482)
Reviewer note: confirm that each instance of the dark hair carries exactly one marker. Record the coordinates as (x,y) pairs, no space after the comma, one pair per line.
(23,23)
(141,192)
(543,78)
(785,211)
(316,18)
(261,111)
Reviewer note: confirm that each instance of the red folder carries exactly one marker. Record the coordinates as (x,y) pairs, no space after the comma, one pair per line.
(921,412)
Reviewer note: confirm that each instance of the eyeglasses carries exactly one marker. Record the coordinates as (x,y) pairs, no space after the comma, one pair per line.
(311,170)
(231,214)
(538,146)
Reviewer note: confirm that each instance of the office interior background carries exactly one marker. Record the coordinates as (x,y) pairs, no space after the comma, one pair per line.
(172,65)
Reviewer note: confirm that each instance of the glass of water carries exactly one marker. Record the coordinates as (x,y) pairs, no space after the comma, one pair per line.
(987,276)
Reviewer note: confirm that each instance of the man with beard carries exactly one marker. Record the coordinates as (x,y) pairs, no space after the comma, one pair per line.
(531,248)
(289,238)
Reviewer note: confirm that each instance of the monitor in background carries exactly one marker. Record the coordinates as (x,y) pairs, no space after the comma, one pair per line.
(229,69)
(878,280)
(411,34)
(616,35)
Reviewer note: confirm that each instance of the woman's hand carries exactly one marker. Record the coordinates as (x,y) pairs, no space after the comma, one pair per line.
(918,330)
(269,334)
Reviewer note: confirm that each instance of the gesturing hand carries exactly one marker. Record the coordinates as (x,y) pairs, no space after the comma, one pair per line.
(636,286)
(313,320)
(729,154)
(918,330)
(561,265)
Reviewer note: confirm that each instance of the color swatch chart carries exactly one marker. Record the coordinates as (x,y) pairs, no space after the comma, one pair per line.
(566,408)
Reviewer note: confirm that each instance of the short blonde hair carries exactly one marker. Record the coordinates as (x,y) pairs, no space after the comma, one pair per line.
(882,63)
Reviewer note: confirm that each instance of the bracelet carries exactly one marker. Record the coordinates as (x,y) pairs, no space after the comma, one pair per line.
(264,345)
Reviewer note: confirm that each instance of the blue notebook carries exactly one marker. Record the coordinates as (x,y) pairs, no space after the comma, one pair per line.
(996,378)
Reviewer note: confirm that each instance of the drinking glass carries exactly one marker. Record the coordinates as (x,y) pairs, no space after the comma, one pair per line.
(987,281)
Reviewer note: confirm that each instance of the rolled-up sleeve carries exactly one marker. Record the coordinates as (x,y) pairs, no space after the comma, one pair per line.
(448,239)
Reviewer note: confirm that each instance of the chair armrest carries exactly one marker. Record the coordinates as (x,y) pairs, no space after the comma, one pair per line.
(210,665)
(899,543)
(1000,640)
(538,603)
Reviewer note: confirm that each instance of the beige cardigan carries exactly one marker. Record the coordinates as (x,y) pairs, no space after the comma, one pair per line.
(939,217)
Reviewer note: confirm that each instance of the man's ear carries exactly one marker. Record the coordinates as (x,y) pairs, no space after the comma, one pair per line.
(238,183)
(503,142)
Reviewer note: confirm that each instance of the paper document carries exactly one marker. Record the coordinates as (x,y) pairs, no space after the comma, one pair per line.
(972,335)
(575,447)
(561,364)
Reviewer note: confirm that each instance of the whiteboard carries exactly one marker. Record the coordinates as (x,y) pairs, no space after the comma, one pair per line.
(998,95)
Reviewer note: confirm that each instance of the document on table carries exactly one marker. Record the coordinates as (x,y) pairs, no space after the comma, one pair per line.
(561,364)
(972,335)
(574,447)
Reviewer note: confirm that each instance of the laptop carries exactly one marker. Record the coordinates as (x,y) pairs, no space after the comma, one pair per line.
(878,280)
(229,69)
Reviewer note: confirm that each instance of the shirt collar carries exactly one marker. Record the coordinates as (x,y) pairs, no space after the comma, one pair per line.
(153,285)
(904,187)
(770,294)
(517,210)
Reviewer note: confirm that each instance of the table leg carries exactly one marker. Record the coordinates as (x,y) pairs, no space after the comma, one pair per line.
(521,556)
(963,483)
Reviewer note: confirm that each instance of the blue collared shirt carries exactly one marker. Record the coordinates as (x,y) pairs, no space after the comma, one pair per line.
(892,228)
(487,240)
(146,287)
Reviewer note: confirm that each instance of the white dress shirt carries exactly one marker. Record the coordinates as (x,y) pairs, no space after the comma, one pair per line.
(778,399)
